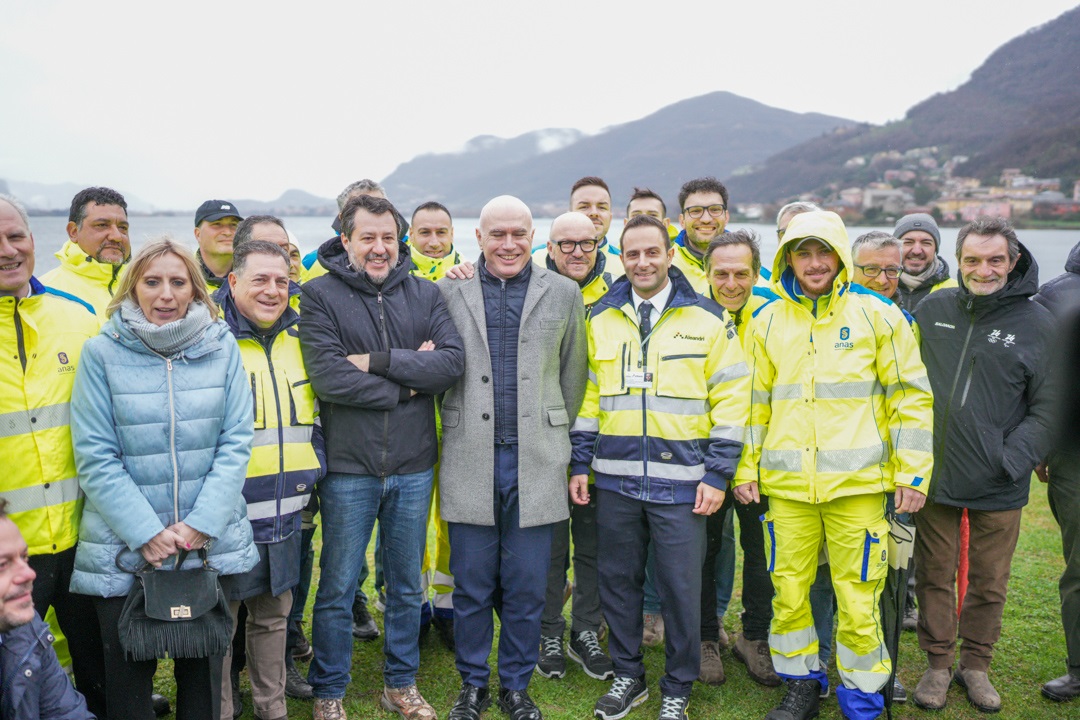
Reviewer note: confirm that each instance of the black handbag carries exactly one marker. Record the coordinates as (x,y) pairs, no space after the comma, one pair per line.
(178,613)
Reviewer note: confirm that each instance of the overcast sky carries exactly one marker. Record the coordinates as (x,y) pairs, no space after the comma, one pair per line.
(177,102)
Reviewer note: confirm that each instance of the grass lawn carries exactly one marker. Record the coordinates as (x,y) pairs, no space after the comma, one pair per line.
(1031,651)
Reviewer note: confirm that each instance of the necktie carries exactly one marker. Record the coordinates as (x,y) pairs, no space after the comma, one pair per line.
(645,319)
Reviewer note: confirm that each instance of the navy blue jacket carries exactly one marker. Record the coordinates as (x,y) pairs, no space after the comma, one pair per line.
(503,303)
(35,687)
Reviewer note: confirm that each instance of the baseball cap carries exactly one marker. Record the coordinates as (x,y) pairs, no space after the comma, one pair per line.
(215,210)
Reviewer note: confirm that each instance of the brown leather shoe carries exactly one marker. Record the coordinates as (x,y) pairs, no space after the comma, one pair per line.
(712,668)
(755,654)
(407,702)
(980,692)
(933,688)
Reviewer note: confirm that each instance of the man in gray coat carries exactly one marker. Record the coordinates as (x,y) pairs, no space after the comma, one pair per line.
(506,448)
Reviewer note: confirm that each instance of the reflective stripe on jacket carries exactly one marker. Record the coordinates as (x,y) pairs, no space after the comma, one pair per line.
(42,337)
(84,277)
(657,444)
(841,403)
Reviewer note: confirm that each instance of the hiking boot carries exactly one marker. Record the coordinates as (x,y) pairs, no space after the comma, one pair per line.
(933,688)
(911,618)
(296,686)
(518,705)
(444,627)
(586,651)
(712,668)
(380,601)
(471,701)
(552,662)
(407,702)
(758,660)
(673,708)
(625,693)
(328,709)
(1063,688)
(654,630)
(724,640)
(363,625)
(302,651)
(899,693)
(800,703)
(980,692)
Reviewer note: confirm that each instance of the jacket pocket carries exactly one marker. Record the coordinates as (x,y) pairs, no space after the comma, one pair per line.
(451,416)
(682,376)
(558,416)
(610,368)
(875,556)
(301,400)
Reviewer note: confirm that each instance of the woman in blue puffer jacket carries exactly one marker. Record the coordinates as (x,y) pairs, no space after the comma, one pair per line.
(161,422)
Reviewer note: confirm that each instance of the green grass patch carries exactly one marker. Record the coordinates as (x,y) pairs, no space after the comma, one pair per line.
(1031,651)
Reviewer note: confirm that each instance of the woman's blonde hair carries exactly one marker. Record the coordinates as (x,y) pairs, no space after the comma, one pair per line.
(147,254)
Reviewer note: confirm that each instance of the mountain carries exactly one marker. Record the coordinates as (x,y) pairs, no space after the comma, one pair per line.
(714,134)
(291,202)
(55,198)
(1020,108)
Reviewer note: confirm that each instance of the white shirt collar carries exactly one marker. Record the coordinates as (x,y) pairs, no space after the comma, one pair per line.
(659,300)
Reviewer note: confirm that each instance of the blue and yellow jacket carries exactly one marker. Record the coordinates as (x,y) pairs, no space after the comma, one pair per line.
(84,277)
(287,455)
(657,444)
(42,336)
(841,404)
(433,269)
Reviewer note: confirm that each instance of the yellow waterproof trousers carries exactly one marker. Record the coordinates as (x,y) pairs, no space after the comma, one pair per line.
(856,532)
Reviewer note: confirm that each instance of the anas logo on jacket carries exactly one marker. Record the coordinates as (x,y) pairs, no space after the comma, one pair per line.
(65,366)
(845,340)
(62,357)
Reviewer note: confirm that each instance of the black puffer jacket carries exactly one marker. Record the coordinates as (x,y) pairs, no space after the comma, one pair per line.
(371,423)
(988,360)
(1062,294)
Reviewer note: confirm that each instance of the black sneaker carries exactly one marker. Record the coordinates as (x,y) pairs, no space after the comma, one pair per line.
(302,651)
(673,708)
(363,625)
(295,685)
(625,694)
(552,662)
(800,703)
(586,651)
(899,694)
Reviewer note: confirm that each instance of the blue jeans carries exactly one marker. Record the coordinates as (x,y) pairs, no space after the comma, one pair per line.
(350,505)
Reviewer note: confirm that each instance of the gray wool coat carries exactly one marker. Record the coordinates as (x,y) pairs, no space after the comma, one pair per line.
(552,372)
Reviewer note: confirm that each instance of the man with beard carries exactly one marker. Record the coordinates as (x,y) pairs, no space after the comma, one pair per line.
(97,249)
(924,271)
(378,345)
(703,213)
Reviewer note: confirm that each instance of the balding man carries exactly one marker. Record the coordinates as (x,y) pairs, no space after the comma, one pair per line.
(506,448)
(573,251)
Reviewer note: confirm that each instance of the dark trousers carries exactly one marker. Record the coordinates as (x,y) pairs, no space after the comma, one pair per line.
(625,527)
(937,554)
(585,608)
(130,683)
(75,614)
(1064,495)
(300,593)
(757,585)
(500,568)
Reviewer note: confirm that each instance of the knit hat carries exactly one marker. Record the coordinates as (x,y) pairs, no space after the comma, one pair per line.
(918,221)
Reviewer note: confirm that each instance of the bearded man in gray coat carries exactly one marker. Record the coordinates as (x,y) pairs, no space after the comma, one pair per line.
(506,448)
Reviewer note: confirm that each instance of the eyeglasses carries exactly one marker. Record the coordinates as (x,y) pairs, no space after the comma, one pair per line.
(567,246)
(696,211)
(872,271)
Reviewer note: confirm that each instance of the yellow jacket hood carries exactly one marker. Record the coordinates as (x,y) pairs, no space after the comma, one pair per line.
(827,227)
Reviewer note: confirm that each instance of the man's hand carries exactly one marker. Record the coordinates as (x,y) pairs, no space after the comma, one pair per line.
(464,271)
(426,346)
(709,499)
(165,543)
(909,500)
(1042,472)
(362,362)
(579,489)
(747,493)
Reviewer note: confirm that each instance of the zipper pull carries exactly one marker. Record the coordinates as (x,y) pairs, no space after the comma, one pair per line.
(168,364)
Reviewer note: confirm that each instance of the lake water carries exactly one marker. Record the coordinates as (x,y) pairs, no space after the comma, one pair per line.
(1050,247)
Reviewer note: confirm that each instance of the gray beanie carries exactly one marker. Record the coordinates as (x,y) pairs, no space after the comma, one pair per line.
(918,221)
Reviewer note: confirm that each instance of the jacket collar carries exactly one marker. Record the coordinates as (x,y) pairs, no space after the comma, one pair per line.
(1022,283)
(243,328)
(682,293)
(335,259)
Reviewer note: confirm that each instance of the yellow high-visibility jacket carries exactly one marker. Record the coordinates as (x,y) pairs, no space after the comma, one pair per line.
(84,277)
(433,269)
(657,444)
(841,404)
(42,336)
